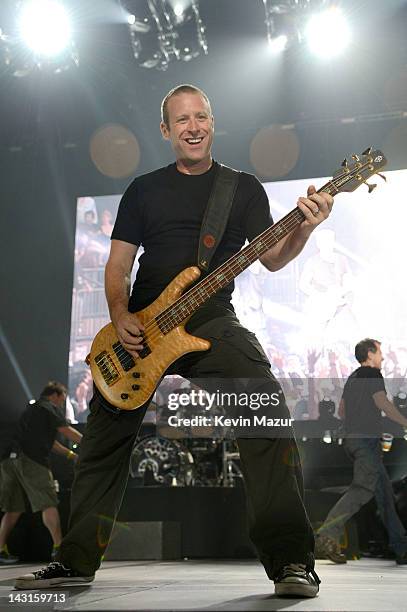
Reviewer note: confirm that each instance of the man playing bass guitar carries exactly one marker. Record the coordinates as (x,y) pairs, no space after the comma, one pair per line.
(163,211)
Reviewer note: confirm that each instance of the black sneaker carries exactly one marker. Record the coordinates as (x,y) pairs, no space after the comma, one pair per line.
(6,558)
(54,574)
(296,580)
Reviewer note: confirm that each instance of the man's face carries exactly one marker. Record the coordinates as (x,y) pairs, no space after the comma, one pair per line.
(190,128)
(377,357)
(58,399)
(89,218)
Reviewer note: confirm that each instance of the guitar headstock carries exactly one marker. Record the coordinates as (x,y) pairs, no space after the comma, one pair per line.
(353,174)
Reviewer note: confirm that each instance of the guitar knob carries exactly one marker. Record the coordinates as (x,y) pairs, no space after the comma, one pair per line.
(124,396)
(136,374)
(135,387)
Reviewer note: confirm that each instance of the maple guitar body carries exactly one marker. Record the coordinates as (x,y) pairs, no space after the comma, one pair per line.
(128,386)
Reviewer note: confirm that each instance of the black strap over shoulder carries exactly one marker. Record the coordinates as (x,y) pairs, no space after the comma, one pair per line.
(216,214)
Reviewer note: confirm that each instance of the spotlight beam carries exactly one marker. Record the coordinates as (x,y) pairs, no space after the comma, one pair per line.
(45,27)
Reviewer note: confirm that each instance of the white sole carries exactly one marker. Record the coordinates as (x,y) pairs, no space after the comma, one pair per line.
(296,590)
(52,582)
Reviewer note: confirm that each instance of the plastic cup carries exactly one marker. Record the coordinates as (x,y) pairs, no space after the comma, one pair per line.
(387,441)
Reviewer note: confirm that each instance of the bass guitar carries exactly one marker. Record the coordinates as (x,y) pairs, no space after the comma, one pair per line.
(127,382)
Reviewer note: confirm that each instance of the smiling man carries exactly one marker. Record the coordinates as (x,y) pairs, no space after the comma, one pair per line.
(163,211)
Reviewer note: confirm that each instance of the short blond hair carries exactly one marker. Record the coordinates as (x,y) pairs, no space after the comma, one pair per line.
(176,91)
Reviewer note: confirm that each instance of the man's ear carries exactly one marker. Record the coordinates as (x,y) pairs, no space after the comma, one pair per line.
(165,132)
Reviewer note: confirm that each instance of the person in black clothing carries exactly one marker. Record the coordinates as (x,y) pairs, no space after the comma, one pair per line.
(364,397)
(25,470)
(163,211)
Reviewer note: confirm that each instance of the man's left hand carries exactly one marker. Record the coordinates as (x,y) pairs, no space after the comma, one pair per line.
(316,208)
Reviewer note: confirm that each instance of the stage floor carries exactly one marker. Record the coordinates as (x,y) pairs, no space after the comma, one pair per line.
(364,585)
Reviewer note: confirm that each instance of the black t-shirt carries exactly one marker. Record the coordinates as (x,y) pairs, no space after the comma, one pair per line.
(38,428)
(362,416)
(163,212)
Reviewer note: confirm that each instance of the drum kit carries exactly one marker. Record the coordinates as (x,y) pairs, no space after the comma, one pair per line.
(192,462)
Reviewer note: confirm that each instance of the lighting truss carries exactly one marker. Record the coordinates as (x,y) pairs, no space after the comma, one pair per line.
(159,34)
(284,17)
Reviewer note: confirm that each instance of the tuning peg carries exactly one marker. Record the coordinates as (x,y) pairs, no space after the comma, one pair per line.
(344,164)
(356,157)
(382,176)
(370,187)
(368,151)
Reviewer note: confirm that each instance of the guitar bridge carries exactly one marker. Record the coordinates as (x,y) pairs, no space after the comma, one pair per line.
(107,368)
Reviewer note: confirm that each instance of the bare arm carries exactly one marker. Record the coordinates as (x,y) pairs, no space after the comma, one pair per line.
(289,247)
(60,449)
(341,410)
(381,401)
(117,288)
(70,433)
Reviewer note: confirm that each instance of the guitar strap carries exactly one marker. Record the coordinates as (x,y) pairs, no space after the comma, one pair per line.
(216,214)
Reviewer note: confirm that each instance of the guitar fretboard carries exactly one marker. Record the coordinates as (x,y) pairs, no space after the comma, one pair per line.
(186,305)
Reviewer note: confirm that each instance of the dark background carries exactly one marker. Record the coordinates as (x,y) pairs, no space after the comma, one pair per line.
(47,120)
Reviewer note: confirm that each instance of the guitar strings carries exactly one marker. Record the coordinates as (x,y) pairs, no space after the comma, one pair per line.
(165,316)
(156,333)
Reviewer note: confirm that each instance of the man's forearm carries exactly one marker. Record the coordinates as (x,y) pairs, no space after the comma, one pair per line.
(60,449)
(286,250)
(117,289)
(71,433)
(392,413)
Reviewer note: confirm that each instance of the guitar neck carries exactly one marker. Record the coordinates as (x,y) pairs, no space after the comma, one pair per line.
(195,297)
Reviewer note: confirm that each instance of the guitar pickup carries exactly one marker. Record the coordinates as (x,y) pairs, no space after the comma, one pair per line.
(126,360)
(145,351)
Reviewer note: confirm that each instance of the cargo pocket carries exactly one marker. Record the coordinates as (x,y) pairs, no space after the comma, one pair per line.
(243,340)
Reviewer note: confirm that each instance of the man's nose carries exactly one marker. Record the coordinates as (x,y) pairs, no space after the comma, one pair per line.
(193,125)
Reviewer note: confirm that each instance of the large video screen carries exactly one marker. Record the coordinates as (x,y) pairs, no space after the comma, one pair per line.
(347,284)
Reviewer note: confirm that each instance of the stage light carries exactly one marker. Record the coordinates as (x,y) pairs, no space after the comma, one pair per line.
(131,19)
(327,33)
(45,27)
(32,401)
(172,31)
(278,43)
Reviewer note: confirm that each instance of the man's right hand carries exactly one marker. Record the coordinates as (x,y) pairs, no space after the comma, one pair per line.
(130,332)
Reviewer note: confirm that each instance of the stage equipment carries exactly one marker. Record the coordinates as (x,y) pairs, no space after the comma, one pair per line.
(291,21)
(327,33)
(43,26)
(207,456)
(162,31)
(287,22)
(231,473)
(128,382)
(400,401)
(158,461)
(281,22)
(198,462)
